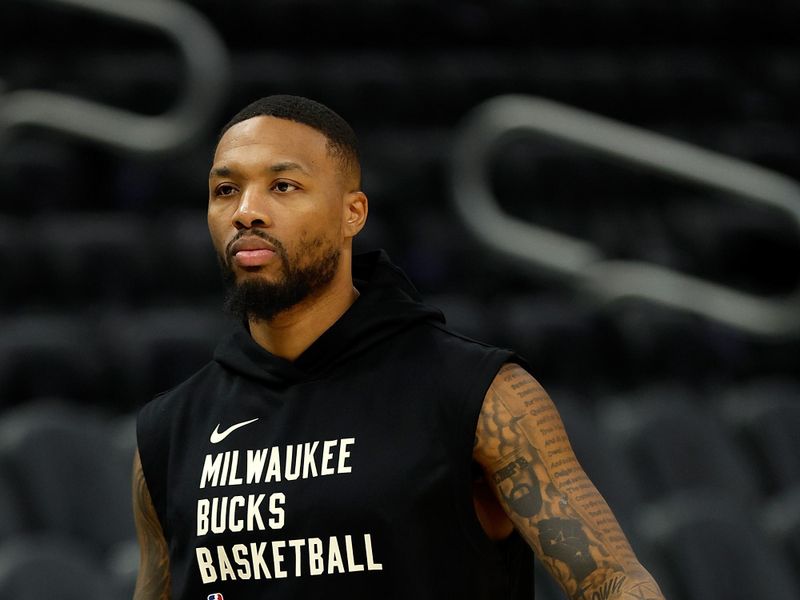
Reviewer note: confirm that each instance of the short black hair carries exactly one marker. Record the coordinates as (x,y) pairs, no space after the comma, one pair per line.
(342,141)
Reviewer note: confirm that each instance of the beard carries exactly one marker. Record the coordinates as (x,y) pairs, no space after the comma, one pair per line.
(308,271)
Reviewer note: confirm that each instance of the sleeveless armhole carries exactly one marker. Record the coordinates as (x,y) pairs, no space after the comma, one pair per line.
(473,391)
(152,438)
(513,552)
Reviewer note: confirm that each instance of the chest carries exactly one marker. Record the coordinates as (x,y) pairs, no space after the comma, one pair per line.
(320,460)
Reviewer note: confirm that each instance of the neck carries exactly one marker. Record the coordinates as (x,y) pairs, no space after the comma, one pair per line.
(291,332)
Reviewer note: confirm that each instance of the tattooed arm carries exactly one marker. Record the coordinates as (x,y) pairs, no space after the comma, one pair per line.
(526,457)
(152,582)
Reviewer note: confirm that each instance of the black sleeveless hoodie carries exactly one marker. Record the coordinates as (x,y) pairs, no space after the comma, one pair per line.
(343,474)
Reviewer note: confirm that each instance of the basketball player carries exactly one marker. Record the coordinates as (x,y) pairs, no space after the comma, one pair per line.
(343,443)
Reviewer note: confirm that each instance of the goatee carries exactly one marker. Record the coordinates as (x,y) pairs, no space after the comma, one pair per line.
(261,300)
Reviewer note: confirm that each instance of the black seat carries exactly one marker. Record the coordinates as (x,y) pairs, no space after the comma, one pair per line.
(49,567)
(713,551)
(658,343)
(558,337)
(49,176)
(764,417)
(781,523)
(73,480)
(13,263)
(737,245)
(90,257)
(188,268)
(154,350)
(674,445)
(48,355)
(13,515)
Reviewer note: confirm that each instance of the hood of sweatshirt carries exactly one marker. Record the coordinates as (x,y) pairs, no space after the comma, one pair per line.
(388,303)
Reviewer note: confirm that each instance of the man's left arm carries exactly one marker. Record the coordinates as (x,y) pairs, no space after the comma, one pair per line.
(527,459)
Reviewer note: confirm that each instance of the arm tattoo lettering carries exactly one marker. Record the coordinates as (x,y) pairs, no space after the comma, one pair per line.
(523,447)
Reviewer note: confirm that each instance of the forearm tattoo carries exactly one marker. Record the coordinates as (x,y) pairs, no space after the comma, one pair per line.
(153,581)
(525,451)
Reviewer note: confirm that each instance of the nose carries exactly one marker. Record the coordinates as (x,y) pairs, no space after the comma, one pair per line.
(251,211)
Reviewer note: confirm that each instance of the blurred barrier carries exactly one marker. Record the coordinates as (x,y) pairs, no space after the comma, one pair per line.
(581,263)
(206,62)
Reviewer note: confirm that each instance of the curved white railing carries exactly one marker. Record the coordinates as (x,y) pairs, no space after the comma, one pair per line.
(582,263)
(207,72)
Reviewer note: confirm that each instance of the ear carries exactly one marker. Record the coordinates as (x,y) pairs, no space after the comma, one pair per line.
(354,215)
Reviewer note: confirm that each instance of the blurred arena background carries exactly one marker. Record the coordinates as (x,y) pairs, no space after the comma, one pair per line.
(689,425)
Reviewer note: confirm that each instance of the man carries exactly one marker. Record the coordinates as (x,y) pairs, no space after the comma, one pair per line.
(330,448)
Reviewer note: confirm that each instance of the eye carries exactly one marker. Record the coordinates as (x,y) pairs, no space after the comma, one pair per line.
(225,189)
(283,186)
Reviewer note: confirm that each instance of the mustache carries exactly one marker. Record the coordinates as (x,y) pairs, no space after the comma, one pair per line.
(273,241)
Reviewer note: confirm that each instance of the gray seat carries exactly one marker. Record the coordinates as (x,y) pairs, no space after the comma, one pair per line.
(74,481)
(152,351)
(13,516)
(189,268)
(13,263)
(556,335)
(673,445)
(94,256)
(781,523)
(48,355)
(713,550)
(52,568)
(764,417)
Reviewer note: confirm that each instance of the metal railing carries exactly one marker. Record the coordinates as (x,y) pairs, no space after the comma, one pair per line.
(207,72)
(581,263)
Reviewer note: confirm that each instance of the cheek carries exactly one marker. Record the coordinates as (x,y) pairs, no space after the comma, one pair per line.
(321,229)
(217,235)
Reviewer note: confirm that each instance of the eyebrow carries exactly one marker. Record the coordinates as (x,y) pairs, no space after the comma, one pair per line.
(219,172)
(280,167)
(287,166)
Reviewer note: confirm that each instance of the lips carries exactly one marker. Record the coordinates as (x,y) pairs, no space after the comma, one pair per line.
(252,251)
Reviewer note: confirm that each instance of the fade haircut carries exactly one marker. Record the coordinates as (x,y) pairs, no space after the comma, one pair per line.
(342,142)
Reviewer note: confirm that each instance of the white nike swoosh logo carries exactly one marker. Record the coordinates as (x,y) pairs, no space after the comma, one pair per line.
(217,437)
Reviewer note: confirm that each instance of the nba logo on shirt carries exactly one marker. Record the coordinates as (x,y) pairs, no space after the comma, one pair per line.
(215,597)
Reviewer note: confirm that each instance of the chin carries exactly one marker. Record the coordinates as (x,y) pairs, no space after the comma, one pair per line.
(247,273)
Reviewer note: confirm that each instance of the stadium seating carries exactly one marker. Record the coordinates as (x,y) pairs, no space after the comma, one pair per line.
(13,516)
(151,351)
(35,568)
(672,446)
(711,549)
(47,355)
(543,329)
(764,416)
(780,520)
(100,257)
(184,263)
(68,474)
(12,264)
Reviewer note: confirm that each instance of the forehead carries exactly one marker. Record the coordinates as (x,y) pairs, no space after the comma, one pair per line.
(263,140)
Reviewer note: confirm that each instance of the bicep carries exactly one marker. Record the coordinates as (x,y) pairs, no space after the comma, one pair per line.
(152,582)
(526,456)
